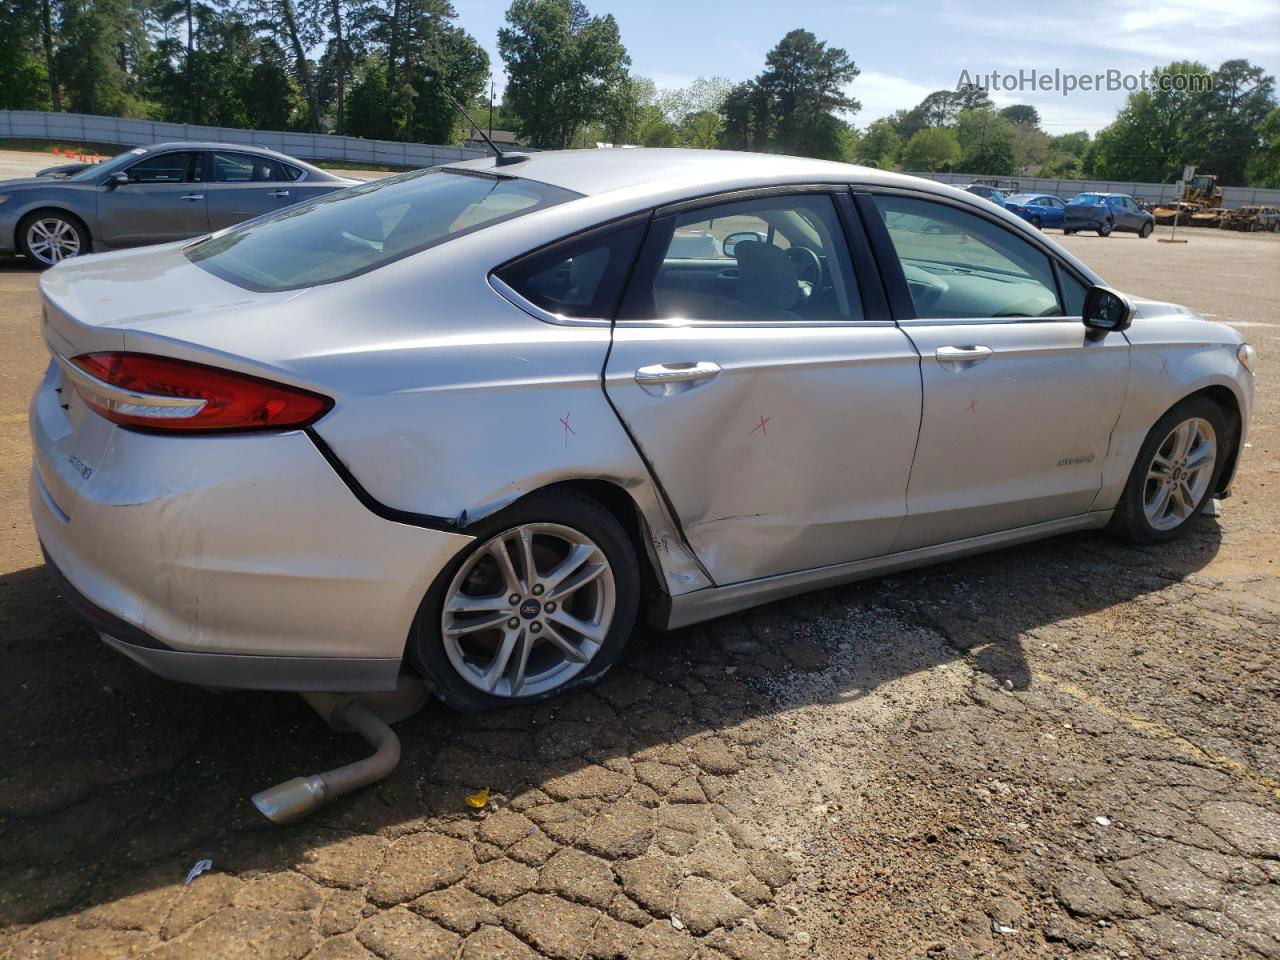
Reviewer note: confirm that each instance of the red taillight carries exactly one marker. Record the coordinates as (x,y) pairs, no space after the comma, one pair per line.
(162,393)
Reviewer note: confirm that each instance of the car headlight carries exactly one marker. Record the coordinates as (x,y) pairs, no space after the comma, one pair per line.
(1247,355)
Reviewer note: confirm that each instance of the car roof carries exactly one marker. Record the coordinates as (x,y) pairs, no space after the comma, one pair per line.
(595,172)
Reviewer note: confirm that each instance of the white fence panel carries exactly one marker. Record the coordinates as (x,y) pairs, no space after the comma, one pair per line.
(77,129)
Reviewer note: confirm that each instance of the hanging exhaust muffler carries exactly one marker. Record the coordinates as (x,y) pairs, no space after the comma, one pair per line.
(366,714)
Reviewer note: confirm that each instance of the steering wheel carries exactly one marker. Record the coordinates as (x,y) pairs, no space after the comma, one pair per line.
(926,289)
(808,269)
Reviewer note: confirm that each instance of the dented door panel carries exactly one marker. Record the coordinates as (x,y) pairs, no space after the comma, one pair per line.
(794,454)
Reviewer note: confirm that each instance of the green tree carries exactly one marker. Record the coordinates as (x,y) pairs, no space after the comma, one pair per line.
(749,120)
(564,67)
(987,142)
(1264,164)
(805,80)
(931,149)
(102,42)
(879,145)
(1222,124)
(1022,115)
(24,77)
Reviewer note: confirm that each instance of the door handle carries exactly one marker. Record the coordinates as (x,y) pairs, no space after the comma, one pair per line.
(279,193)
(658,373)
(193,196)
(965,356)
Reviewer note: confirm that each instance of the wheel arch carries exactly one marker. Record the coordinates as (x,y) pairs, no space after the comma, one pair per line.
(27,215)
(1226,400)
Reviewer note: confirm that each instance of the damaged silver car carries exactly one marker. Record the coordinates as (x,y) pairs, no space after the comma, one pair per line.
(474,421)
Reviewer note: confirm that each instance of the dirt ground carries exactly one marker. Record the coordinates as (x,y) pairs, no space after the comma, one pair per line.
(1065,749)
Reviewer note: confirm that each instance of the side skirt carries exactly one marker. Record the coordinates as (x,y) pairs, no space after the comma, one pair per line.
(718,601)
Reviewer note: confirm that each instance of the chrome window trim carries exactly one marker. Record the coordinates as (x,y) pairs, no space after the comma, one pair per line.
(510,294)
(681,323)
(944,321)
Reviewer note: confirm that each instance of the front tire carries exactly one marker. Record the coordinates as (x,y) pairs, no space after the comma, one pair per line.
(1146,230)
(1175,474)
(1035,222)
(48,237)
(542,603)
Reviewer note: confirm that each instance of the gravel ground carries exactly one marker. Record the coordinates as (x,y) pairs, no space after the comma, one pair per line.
(1065,749)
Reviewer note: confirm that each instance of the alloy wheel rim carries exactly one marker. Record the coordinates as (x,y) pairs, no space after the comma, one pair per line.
(528,610)
(1179,474)
(52,240)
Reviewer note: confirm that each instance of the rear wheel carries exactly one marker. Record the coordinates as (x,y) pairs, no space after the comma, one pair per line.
(542,603)
(1175,473)
(1106,228)
(49,236)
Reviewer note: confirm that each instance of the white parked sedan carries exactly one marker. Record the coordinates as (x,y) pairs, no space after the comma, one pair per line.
(473,421)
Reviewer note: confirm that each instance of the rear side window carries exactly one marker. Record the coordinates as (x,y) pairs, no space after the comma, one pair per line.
(582,279)
(350,232)
(246,168)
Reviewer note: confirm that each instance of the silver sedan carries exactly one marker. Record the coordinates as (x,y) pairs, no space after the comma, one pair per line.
(170,191)
(475,421)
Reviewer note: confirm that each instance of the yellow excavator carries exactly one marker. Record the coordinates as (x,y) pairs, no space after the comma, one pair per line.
(1199,204)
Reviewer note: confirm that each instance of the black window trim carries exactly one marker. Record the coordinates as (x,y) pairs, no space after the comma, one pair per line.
(895,279)
(508,292)
(654,248)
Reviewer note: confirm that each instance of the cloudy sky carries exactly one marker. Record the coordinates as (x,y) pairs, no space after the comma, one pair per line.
(907,51)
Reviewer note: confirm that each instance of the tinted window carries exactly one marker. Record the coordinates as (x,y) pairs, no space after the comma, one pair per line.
(582,279)
(1073,292)
(960,265)
(352,231)
(161,168)
(785,260)
(245,168)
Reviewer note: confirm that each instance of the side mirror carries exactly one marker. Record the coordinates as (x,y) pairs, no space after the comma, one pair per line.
(733,239)
(1107,310)
(117,180)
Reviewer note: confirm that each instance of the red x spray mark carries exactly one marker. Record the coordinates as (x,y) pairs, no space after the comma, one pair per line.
(564,421)
(973,406)
(761,426)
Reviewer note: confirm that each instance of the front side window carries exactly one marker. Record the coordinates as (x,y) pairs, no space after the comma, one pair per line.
(765,259)
(161,168)
(960,265)
(581,279)
(352,231)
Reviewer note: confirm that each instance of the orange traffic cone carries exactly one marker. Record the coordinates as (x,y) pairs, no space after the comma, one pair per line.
(56,151)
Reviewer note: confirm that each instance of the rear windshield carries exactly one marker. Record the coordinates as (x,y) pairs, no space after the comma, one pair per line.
(353,231)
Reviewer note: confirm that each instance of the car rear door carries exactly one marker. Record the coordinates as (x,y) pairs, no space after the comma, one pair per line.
(244,186)
(1019,401)
(164,200)
(767,386)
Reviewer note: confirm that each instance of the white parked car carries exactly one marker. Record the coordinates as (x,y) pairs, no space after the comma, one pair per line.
(474,421)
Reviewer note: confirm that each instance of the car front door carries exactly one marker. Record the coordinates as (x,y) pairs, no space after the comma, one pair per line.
(1053,211)
(1019,401)
(766,384)
(163,200)
(244,186)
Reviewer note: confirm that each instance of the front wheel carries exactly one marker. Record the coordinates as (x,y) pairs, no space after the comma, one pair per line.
(1105,229)
(542,603)
(50,237)
(1176,472)
(1035,222)
(1146,230)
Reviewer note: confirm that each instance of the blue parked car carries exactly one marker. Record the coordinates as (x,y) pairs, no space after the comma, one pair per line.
(1105,212)
(987,193)
(1038,209)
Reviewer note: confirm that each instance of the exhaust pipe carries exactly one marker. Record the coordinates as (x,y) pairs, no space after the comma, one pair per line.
(294,799)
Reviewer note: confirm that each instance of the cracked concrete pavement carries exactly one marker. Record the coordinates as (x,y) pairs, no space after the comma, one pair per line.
(1065,749)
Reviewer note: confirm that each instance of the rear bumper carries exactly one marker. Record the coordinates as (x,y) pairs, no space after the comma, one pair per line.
(229,561)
